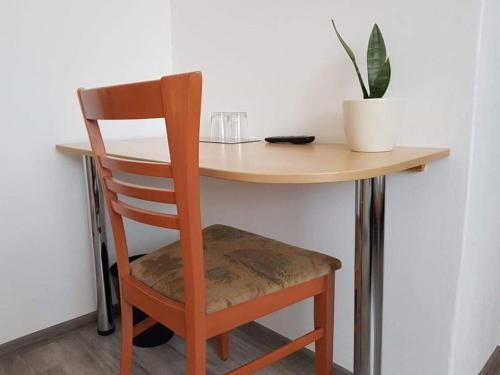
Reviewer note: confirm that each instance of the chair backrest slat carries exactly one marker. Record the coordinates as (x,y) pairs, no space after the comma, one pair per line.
(140,192)
(143,168)
(123,102)
(140,215)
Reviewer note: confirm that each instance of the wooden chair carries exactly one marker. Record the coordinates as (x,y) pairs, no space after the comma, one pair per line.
(246,276)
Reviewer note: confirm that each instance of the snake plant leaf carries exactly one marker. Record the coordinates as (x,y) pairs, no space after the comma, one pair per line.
(376,56)
(353,59)
(381,82)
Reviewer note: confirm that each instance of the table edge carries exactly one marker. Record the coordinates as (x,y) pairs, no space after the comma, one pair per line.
(329,177)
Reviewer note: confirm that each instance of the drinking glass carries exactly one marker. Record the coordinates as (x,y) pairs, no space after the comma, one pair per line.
(237,127)
(218,121)
(229,127)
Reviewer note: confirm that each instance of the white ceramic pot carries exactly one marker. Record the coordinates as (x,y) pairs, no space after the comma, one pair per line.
(372,125)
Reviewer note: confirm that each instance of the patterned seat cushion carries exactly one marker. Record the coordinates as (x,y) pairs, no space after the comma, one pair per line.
(239,266)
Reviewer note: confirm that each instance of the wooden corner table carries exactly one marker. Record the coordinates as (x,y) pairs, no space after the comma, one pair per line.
(284,164)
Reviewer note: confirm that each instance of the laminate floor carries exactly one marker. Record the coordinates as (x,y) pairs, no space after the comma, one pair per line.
(493,365)
(82,352)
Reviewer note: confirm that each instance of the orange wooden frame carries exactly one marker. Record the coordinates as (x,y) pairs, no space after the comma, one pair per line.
(177,99)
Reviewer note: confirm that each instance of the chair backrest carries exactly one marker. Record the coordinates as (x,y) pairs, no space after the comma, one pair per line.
(177,99)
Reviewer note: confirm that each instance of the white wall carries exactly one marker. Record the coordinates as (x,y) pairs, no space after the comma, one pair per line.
(477,317)
(48,50)
(281,62)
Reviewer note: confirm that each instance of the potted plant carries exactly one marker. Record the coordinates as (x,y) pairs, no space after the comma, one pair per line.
(372,123)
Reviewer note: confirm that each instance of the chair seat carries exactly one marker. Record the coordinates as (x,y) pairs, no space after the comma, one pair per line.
(239,266)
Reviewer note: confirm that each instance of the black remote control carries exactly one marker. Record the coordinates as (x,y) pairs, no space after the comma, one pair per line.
(295,139)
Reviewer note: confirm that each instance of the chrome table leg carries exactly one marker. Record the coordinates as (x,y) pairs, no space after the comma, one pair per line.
(369,276)
(99,247)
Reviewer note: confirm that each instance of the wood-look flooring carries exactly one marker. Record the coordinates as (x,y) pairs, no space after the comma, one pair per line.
(82,352)
(493,365)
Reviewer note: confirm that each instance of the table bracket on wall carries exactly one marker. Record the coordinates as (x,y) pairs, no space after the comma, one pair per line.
(418,168)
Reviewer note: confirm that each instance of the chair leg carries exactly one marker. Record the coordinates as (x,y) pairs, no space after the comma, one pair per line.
(127,332)
(196,353)
(323,318)
(223,345)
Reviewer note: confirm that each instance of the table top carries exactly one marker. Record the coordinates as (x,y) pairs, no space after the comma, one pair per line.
(262,162)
